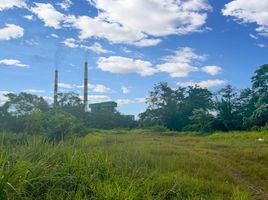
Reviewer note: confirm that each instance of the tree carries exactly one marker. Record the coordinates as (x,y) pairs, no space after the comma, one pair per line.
(201,121)
(23,104)
(260,116)
(227,108)
(260,88)
(166,106)
(71,102)
(59,125)
(198,98)
(260,80)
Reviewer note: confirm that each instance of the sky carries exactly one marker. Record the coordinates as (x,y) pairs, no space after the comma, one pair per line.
(130,46)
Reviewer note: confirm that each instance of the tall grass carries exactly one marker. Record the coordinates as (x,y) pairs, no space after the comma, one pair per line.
(113,165)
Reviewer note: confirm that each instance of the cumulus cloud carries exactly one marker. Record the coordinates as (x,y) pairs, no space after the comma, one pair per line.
(155,17)
(181,63)
(95,27)
(99,88)
(246,11)
(123,65)
(203,84)
(11,31)
(12,62)
(142,22)
(8,4)
(48,14)
(212,70)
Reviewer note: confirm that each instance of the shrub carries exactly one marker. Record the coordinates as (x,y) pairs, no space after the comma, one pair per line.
(59,125)
(54,124)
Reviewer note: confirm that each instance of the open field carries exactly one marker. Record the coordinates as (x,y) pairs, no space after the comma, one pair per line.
(135,165)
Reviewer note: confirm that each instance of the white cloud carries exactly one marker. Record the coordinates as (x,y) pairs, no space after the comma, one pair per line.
(8,4)
(49,99)
(147,42)
(31,42)
(48,14)
(123,102)
(125,89)
(181,64)
(66,86)
(262,45)
(95,27)
(99,88)
(203,84)
(3,98)
(65,5)
(123,65)
(247,11)
(54,35)
(142,22)
(126,50)
(155,17)
(253,36)
(98,98)
(212,70)
(28,17)
(96,47)
(11,31)
(12,62)
(70,42)
(122,21)
(34,91)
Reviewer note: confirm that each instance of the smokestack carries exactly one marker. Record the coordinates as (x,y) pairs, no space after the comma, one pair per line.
(56,88)
(86,86)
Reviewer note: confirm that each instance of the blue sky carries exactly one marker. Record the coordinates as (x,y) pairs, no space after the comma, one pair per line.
(130,46)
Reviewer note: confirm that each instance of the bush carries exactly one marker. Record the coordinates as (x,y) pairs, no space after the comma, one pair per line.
(34,123)
(54,124)
(265,128)
(59,125)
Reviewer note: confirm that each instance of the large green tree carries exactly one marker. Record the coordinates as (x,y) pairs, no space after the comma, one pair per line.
(260,89)
(227,109)
(173,107)
(24,103)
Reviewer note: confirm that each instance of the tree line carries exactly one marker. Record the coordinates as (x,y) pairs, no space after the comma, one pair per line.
(181,109)
(198,109)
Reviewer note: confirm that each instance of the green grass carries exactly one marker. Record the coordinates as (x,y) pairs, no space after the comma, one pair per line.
(138,164)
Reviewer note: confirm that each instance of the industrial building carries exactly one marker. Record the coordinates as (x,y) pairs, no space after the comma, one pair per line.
(109,106)
(94,107)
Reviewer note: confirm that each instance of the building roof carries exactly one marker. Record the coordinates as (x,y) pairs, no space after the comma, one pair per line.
(103,104)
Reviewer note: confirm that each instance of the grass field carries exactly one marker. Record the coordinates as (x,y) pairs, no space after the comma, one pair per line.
(135,165)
